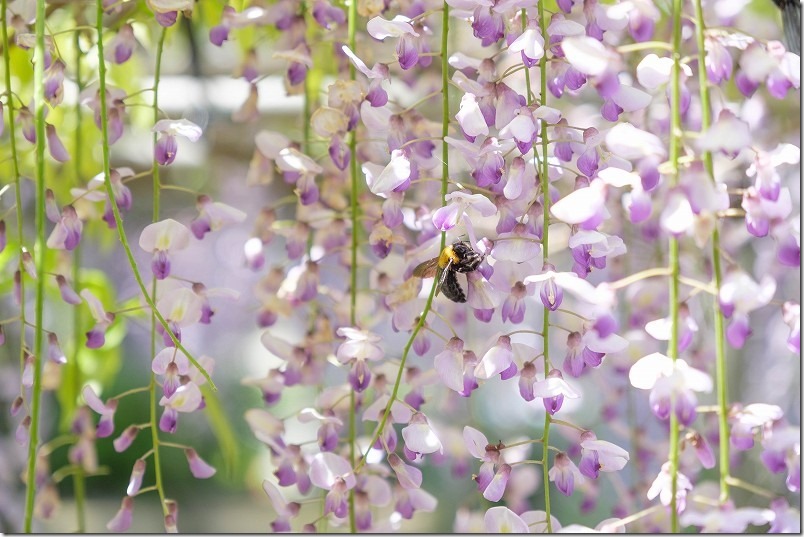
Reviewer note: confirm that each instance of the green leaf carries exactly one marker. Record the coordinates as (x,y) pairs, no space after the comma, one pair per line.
(222,429)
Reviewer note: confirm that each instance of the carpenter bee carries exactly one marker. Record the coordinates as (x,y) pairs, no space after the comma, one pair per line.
(458,257)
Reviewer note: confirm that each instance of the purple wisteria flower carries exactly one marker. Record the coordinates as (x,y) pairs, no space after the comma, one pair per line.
(334,474)
(96,337)
(161,238)
(662,487)
(360,346)
(284,510)
(167,145)
(106,411)
(494,473)
(564,474)
(502,520)
(668,381)
(122,519)
(739,295)
(186,398)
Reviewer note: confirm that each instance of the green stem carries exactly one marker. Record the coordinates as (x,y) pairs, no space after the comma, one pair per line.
(153,396)
(545,187)
(121,233)
(352,30)
(15,165)
(720,334)
(79,479)
(39,112)
(675,150)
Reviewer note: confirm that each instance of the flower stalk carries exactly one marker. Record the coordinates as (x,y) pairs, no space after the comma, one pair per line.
(79,479)
(153,396)
(354,214)
(15,166)
(545,187)
(720,334)
(40,250)
(675,150)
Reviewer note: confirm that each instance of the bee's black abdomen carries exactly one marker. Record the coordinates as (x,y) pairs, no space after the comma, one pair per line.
(452,289)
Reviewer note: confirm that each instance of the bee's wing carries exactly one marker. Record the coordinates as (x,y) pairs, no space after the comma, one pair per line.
(426,269)
(442,276)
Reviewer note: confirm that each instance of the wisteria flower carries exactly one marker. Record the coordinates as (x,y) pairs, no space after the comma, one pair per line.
(213,215)
(724,519)
(186,398)
(740,295)
(420,438)
(502,520)
(746,420)
(161,238)
(330,426)
(115,108)
(284,510)
(600,456)
(395,174)
(135,481)
(334,474)
(553,389)
(458,204)
(103,319)
(167,145)
(360,346)
(670,380)
(409,477)
(455,367)
(791,314)
(122,519)
(782,451)
(492,478)
(783,518)
(67,233)
(662,487)
(171,364)
(198,466)
(498,360)
(106,411)
(180,307)
(400,413)
(661,328)
(565,474)
(121,47)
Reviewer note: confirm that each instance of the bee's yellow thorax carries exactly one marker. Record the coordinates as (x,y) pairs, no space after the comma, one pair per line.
(448,254)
